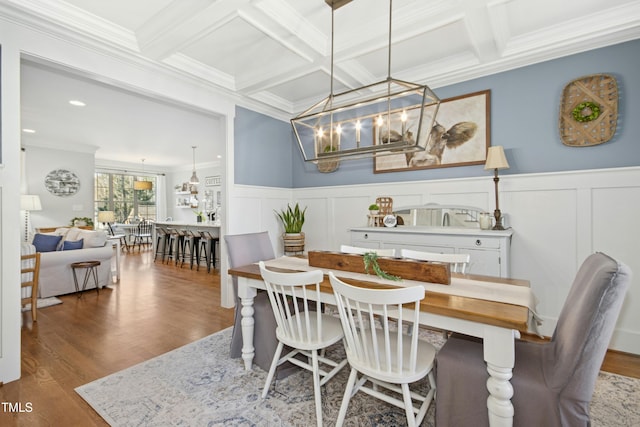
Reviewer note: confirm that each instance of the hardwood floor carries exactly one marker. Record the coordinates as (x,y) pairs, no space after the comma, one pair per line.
(154,309)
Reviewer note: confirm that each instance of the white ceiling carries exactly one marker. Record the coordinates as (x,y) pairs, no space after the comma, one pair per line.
(274,56)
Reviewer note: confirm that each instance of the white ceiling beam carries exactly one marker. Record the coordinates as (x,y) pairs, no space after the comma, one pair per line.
(182,23)
(478,25)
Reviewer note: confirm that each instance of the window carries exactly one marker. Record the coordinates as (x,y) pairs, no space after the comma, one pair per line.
(114,192)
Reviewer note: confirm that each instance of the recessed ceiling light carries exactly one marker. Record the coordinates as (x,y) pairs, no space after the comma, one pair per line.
(219,156)
(77,103)
(25,130)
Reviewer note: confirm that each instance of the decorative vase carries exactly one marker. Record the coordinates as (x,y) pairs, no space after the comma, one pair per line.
(199,218)
(293,242)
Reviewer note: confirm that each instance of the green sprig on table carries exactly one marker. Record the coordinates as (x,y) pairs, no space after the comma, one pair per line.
(371,261)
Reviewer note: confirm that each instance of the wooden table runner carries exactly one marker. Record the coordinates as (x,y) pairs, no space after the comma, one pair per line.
(424,271)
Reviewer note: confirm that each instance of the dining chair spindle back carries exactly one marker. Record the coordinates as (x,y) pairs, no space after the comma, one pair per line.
(361,251)
(458,262)
(30,274)
(302,326)
(383,355)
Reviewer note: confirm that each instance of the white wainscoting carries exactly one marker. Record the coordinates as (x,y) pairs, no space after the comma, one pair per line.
(558,220)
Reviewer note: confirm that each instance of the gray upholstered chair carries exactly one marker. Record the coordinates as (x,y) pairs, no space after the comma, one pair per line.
(553,382)
(244,249)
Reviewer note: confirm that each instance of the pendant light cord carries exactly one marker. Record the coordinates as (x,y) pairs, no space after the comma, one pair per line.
(389,58)
(332,36)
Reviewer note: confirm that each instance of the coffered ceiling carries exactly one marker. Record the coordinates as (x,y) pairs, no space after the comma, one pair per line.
(274,56)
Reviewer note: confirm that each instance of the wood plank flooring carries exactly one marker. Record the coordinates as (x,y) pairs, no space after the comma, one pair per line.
(154,309)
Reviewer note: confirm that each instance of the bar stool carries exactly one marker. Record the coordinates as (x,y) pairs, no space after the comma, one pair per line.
(208,244)
(174,241)
(189,247)
(162,241)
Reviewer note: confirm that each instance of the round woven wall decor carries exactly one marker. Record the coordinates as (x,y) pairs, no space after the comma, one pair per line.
(589,110)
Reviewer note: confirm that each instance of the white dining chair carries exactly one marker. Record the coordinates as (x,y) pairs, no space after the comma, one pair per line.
(382,355)
(302,326)
(361,251)
(458,262)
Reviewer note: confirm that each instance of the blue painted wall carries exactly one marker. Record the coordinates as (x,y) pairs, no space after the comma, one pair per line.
(263,150)
(524,119)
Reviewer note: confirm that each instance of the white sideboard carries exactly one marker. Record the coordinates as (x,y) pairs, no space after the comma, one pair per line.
(489,249)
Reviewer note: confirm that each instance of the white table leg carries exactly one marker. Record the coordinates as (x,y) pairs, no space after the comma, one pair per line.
(499,353)
(247,293)
(116,244)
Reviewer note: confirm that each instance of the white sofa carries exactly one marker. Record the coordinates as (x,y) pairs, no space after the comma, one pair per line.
(56,275)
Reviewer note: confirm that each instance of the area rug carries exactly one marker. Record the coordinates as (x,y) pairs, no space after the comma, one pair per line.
(43,302)
(199,385)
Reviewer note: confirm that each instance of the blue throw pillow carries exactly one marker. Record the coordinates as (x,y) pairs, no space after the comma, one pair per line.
(69,245)
(46,242)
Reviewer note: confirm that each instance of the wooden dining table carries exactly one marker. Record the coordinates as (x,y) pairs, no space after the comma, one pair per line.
(497,323)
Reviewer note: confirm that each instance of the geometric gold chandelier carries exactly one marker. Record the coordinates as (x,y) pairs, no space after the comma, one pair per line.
(388,117)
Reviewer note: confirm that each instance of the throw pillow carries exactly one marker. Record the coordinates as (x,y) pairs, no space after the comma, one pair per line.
(73,233)
(62,231)
(93,239)
(69,245)
(46,243)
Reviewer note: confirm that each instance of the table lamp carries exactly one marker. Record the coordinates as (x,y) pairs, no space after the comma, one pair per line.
(106,217)
(496,160)
(28,203)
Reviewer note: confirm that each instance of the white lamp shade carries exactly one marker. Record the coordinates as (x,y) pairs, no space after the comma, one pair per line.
(30,202)
(496,158)
(106,216)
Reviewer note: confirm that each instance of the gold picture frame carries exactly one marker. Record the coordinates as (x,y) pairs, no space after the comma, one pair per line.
(460,135)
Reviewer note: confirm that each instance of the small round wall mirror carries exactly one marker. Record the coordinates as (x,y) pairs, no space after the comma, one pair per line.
(62,183)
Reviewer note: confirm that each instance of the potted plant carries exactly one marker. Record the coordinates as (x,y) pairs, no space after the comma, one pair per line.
(292,220)
(199,216)
(81,221)
(374,209)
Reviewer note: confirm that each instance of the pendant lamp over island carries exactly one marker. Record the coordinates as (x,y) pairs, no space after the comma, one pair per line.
(142,185)
(194,178)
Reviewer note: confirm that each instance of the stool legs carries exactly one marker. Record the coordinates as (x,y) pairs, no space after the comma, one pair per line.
(208,245)
(204,247)
(90,270)
(162,241)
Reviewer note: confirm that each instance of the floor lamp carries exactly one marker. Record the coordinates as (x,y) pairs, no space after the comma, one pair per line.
(496,160)
(28,203)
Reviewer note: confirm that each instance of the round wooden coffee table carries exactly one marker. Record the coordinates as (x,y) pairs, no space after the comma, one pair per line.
(90,271)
